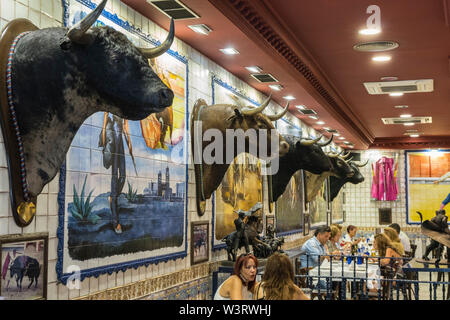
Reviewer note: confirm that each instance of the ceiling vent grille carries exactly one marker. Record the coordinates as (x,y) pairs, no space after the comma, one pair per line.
(406,86)
(423,120)
(376,46)
(264,77)
(174,9)
(307,111)
(332,130)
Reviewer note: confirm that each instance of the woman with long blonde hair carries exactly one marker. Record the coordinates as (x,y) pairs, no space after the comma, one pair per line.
(278,280)
(386,248)
(395,239)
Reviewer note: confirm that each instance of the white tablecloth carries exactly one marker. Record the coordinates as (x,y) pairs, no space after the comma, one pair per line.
(372,277)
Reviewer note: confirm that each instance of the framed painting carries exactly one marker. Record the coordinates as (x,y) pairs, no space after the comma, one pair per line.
(23,267)
(123,187)
(199,242)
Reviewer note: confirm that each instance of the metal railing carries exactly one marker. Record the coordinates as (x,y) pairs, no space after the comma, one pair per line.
(370,278)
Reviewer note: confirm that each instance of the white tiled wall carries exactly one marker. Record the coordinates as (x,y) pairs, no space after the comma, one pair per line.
(48,13)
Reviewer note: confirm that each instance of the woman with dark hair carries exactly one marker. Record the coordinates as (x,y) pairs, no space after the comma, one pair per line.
(386,248)
(241,284)
(278,280)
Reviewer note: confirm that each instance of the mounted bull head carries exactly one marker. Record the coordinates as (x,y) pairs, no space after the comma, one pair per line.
(223,118)
(59,77)
(337,183)
(302,155)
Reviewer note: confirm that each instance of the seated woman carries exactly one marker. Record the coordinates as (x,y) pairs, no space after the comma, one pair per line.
(333,245)
(278,280)
(241,284)
(387,249)
(396,242)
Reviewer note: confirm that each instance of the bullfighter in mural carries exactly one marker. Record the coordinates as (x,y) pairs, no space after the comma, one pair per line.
(447,199)
(111,139)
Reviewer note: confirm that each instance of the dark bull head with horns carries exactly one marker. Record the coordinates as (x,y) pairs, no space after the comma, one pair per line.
(59,77)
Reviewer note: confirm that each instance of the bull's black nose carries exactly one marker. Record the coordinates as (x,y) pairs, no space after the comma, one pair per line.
(165,97)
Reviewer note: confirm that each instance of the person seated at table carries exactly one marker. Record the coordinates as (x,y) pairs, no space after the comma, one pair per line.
(277,282)
(242,282)
(393,236)
(333,245)
(350,238)
(404,239)
(315,247)
(387,250)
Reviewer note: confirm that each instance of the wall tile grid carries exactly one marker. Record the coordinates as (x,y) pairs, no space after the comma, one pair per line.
(48,13)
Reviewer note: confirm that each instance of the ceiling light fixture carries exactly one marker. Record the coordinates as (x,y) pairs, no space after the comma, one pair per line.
(405,116)
(381,58)
(337,134)
(254,69)
(414,135)
(320,122)
(289,97)
(314,117)
(301,107)
(389,78)
(408,124)
(229,51)
(276,87)
(370,31)
(341,138)
(396,94)
(200,28)
(400,107)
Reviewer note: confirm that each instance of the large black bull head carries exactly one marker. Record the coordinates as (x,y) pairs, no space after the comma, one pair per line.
(337,183)
(58,77)
(304,154)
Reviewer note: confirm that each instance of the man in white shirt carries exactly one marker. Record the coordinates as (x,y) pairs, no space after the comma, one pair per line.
(446,200)
(403,237)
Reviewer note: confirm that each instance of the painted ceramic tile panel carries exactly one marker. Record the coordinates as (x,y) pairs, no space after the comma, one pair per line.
(125,187)
(289,207)
(319,205)
(337,208)
(242,185)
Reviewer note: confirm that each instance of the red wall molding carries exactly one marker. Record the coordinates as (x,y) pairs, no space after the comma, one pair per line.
(405,143)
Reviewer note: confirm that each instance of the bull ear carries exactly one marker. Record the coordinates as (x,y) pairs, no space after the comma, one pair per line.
(237,114)
(77,33)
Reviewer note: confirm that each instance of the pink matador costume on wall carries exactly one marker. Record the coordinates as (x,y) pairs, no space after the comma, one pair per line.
(384,182)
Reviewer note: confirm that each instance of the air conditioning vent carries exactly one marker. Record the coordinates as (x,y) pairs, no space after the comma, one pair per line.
(264,77)
(424,120)
(376,46)
(332,130)
(174,9)
(406,86)
(307,111)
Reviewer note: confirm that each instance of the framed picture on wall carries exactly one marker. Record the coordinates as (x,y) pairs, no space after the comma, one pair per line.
(199,242)
(306,224)
(270,221)
(24,266)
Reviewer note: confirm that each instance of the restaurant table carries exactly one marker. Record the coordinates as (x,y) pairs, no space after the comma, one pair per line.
(339,272)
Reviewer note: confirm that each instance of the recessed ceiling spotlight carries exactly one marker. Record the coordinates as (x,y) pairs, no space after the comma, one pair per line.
(320,122)
(289,97)
(381,58)
(370,31)
(201,28)
(408,124)
(314,117)
(405,116)
(326,128)
(301,107)
(276,87)
(414,135)
(396,94)
(337,134)
(254,69)
(341,138)
(229,51)
(400,107)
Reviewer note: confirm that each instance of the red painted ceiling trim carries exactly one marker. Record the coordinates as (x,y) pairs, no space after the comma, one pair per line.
(431,142)
(263,32)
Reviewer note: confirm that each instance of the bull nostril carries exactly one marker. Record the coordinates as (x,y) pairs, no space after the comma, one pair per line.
(166,97)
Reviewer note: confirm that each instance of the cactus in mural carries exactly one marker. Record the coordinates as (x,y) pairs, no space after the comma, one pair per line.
(82,209)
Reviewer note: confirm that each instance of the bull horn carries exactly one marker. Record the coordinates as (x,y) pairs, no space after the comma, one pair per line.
(347,161)
(361,165)
(332,154)
(253,111)
(345,156)
(75,34)
(275,117)
(323,144)
(310,142)
(151,53)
